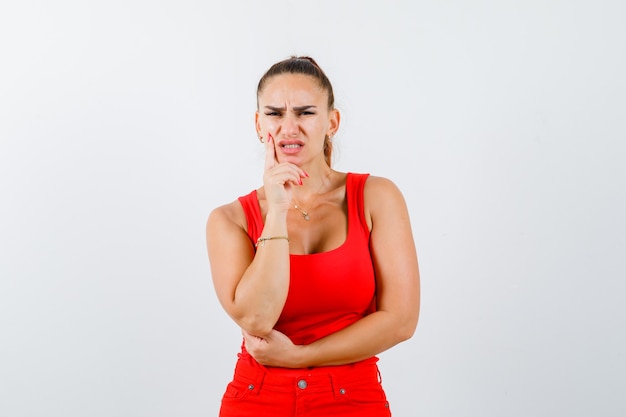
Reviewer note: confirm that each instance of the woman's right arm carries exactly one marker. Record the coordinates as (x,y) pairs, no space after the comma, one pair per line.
(252,287)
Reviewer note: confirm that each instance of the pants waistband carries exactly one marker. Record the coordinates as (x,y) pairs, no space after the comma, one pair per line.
(328,378)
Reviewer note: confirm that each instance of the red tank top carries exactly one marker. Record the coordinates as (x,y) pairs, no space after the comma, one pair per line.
(329,290)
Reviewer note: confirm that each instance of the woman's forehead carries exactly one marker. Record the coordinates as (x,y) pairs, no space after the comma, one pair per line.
(292,86)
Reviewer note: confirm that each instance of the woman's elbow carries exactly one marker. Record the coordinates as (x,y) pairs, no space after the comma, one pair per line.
(256,325)
(405,333)
(407,327)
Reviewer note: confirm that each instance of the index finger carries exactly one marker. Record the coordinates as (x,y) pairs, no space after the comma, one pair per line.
(270,152)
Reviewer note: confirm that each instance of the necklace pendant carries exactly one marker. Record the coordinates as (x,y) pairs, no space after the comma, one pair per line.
(305,214)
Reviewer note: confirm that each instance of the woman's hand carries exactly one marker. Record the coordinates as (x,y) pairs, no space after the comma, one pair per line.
(279,178)
(275,349)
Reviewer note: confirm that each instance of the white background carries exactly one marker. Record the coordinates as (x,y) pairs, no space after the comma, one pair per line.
(123,123)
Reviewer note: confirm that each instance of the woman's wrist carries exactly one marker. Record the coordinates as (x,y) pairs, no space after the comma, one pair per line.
(300,357)
(276,223)
(277,213)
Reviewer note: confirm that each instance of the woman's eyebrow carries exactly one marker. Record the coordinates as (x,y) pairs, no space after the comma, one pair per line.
(272,108)
(307,107)
(297,108)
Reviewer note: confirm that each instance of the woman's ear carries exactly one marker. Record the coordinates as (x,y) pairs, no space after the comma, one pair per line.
(257,125)
(335,120)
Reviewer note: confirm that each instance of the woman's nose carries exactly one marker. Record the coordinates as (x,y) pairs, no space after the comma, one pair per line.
(290,126)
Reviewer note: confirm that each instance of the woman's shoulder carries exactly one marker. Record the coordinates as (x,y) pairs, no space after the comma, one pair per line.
(229,213)
(379,192)
(380,185)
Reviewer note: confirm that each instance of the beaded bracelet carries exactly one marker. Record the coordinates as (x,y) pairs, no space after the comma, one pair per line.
(261,241)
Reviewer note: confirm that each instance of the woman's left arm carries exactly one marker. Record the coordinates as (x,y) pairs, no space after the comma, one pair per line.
(397,288)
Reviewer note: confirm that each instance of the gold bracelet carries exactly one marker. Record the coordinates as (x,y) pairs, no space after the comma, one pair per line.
(261,241)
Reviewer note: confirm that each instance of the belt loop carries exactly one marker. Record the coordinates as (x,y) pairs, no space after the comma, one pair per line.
(380,377)
(258,381)
(334,385)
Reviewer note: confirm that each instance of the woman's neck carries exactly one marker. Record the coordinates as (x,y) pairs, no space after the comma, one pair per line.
(318,182)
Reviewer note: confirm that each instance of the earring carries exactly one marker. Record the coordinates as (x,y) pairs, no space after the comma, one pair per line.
(261,139)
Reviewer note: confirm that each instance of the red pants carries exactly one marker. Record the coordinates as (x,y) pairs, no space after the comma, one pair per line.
(347,391)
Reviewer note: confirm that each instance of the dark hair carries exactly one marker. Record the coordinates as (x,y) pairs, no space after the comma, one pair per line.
(307,66)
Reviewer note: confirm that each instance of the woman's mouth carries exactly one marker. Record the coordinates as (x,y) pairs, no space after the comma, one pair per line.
(291,147)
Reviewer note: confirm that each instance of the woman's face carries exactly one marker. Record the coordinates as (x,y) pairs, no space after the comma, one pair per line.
(293,108)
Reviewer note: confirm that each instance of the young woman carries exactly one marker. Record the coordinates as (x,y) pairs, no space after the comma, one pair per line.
(317,267)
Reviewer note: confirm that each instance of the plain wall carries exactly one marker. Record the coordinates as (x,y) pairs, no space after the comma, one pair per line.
(123,123)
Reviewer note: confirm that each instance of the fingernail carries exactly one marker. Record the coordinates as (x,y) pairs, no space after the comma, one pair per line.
(305,174)
(300,181)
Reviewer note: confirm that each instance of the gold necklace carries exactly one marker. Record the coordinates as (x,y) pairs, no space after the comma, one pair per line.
(305,214)
(298,206)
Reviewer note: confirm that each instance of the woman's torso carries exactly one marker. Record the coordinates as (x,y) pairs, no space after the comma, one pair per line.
(329,289)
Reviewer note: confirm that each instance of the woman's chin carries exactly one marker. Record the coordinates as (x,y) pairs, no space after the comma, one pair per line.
(290,159)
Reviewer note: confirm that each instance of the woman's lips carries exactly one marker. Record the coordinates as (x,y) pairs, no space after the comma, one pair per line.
(290,148)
